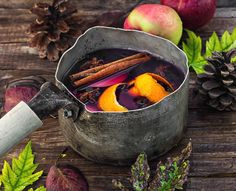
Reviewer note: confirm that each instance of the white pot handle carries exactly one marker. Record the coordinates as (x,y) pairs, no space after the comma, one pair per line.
(16,125)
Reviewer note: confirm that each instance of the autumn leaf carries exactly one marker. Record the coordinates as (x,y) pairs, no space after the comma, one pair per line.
(22,173)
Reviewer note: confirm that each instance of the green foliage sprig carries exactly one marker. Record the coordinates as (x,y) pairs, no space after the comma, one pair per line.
(193,48)
(22,172)
(168,176)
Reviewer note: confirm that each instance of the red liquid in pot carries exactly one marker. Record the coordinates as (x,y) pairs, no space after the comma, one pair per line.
(155,65)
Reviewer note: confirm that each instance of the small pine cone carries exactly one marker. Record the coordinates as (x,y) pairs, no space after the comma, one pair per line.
(217,84)
(54,29)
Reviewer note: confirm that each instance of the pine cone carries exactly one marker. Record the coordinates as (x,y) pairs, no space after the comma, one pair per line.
(54,29)
(218,84)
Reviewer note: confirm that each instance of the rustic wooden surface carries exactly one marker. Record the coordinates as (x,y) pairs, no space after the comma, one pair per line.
(213,134)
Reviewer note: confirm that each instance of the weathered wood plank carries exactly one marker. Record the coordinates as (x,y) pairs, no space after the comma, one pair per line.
(8,75)
(15,23)
(18,49)
(213,147)
(225,12)
(213,133)
(219,25)
(81,4)
(212,184)
(226,3)
(206,161)
(21,56)
(98,4)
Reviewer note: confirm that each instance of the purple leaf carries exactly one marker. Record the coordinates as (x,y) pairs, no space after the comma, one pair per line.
(23,89)
(64,178)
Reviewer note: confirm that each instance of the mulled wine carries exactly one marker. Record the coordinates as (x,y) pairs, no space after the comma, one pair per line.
(123,80)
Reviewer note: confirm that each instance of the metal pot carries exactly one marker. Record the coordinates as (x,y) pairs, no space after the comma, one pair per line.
(105,137)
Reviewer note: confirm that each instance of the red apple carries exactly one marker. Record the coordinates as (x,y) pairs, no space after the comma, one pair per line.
(194,13)
(156,19)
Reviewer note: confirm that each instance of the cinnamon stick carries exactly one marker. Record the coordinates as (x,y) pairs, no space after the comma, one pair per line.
(85,73)
(112,69)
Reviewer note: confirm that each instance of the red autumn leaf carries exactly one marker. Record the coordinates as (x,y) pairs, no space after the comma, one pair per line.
(16,94)
(64,178)
(23,89)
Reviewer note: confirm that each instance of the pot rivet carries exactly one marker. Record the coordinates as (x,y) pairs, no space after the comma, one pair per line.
(68,113)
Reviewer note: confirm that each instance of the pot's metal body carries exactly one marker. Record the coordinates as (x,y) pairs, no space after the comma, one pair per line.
(117,138)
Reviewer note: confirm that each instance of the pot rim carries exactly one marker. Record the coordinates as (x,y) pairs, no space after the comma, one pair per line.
(123,30)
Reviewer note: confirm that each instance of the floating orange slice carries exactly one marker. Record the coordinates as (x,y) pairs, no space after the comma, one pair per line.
(108,101)
(147,85)
(133,90)
(149,88)
(161,79)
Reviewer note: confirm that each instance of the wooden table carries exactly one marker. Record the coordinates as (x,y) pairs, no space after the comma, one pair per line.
(213,134)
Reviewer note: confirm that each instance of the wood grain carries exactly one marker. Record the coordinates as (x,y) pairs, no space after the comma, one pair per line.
(14,47)
(82,4)
(97,4)
(213,134)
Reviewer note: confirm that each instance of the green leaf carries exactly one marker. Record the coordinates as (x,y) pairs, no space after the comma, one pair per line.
(226,41)
(22,173)
(193,49)
(233,35)
(213,44)
(233,59)
(233,45)
(41,188)
(199,65)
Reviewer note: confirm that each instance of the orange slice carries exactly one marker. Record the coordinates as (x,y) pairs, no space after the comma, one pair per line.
(161,79)
(108,102)
(148,87)
(133,90)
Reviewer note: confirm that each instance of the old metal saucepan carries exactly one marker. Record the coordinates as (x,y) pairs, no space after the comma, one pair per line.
(105,137)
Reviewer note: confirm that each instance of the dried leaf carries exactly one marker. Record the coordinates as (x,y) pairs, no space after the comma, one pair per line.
(119,185)
(140,173)
(15,95)
(168,177)
(173,174)
(23,89)
(64,178)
